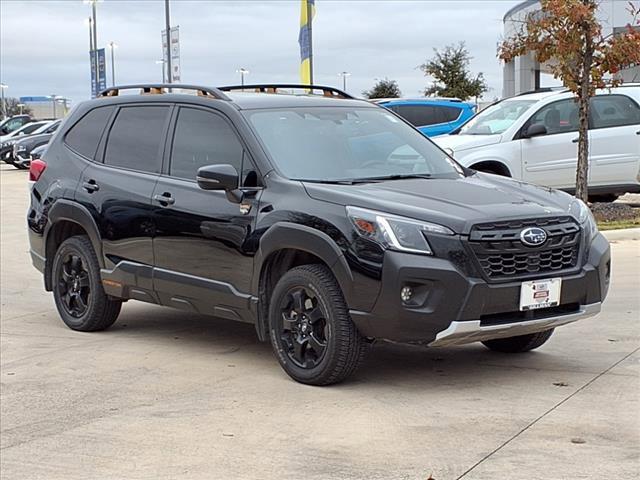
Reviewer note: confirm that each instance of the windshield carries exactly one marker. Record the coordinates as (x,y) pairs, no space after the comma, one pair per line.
(347,144)
(496,118)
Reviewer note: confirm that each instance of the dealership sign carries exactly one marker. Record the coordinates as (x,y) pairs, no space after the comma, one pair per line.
(175,53)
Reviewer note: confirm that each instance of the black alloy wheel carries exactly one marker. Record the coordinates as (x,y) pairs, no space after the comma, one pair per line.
(80,298)
(303,327)
(73,285)
(310,328)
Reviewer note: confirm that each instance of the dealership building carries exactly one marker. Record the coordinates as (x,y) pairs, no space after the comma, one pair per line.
(523,73)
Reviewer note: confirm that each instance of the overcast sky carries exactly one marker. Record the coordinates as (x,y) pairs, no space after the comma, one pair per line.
(44,44)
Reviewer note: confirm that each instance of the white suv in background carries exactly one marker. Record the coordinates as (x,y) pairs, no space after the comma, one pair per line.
(533,137)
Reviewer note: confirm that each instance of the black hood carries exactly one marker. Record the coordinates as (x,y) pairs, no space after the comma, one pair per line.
(456,203)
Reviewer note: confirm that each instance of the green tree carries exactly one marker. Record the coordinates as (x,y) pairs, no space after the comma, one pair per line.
(567,35)
(384,88)
(450,71)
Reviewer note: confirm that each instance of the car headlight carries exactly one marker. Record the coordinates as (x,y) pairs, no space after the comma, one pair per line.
(582,213)
(19,148)
(394,232)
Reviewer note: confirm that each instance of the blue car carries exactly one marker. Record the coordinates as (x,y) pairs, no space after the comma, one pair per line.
(432,116)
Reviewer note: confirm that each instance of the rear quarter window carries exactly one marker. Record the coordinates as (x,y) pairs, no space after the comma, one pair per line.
(449,114)
(614,111)
(84,136)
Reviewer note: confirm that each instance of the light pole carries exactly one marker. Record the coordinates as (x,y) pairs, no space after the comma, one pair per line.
(344,76)
(94,34)
(3,107)
(162,62)
(167,22)
(242,71)
(89,23)
(112,47)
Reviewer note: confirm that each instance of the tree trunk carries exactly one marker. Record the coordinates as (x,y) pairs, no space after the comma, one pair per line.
(582,167)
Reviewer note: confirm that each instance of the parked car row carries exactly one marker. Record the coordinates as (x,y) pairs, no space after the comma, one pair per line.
(534,136)
(21,136)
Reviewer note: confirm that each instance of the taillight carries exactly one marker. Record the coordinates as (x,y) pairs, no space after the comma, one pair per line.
(36,169)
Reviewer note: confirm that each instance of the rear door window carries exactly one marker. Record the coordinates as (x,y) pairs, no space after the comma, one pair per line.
(418,115)
(614,111)
(84,136)
(136,138)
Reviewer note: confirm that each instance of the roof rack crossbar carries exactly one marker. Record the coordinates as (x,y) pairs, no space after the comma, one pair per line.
(160,88)
(274,87)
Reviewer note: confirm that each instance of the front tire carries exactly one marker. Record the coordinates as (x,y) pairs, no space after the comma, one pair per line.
(311,331)
(519,344)
(77,287)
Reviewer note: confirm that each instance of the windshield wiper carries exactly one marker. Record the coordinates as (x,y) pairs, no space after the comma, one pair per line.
(399,176)
(336,182)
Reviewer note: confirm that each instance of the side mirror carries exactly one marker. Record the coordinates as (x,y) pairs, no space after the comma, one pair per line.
(220,177)
(535,130)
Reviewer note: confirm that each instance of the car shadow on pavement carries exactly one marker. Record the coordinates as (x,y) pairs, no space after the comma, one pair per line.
(386,364)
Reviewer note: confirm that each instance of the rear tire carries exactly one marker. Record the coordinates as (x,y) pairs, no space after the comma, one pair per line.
(77,287)
(311,331)
(519,344)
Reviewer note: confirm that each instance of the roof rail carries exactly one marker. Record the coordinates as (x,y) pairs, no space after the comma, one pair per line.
(543,90)
(416,99)
(274,87)
(161,88)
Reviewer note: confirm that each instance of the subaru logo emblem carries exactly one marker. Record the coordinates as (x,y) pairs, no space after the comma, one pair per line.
(533,237)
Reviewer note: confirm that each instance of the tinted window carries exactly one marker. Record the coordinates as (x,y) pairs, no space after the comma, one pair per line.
(418,115)
(136,138)
(449,114)
(30,128)
(202,138)
(557,117)
(614,111)
(84,136)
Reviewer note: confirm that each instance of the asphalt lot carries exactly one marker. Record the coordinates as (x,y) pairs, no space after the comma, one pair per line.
(170,395)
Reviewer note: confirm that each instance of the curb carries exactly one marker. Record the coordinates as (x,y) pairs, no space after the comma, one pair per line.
(622,234)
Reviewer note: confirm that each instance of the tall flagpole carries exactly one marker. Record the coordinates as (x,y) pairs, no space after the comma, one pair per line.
(310,29)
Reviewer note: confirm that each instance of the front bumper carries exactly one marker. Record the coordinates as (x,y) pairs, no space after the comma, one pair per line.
(459,333)
(451,307)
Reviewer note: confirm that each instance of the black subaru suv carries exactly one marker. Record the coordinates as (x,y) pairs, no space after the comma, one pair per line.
(326,221)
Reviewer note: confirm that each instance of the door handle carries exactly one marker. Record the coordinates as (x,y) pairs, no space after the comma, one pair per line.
(575,140)
(638,132)
(165,199)
(91,186)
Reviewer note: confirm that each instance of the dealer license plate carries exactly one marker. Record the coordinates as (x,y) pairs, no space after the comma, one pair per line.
(540,294)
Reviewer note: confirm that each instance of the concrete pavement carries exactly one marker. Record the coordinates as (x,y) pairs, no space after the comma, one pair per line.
(165,394)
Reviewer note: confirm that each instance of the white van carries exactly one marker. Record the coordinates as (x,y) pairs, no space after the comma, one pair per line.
(534,137)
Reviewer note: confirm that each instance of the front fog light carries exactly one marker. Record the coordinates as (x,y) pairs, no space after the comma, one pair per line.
(405,294)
